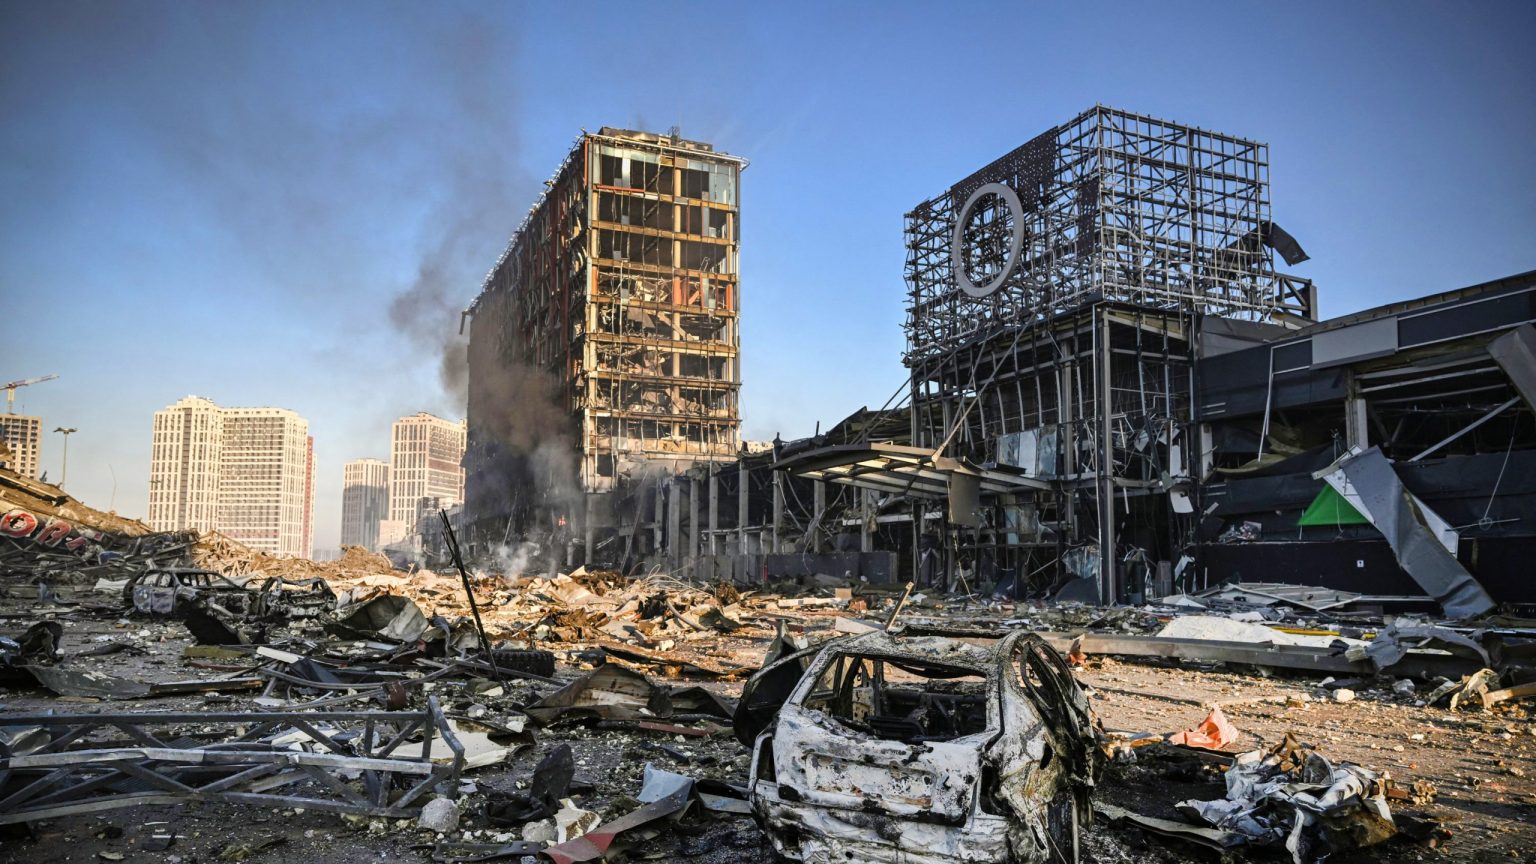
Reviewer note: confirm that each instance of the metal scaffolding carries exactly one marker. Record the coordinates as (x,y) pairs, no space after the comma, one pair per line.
(1053,298)
(1111,206)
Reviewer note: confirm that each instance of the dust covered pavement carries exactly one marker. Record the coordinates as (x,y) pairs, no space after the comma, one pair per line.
(1480,763)
(381,729)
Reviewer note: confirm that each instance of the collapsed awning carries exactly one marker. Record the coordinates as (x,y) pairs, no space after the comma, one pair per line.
(1423,543)
(913,471)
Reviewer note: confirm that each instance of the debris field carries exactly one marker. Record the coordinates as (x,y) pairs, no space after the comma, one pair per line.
(603,724)
(181,698)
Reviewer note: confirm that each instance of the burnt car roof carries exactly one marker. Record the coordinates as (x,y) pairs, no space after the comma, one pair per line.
(937,650)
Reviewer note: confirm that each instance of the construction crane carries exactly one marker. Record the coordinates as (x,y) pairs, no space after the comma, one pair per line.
(10,390)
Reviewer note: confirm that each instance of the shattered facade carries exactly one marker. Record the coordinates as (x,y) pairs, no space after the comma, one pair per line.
(605,341)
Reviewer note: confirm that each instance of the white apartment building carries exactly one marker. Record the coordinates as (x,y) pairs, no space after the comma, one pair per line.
(23,438)
(184,466)
(364,502)
(426,457)
(245,472)
(265,485)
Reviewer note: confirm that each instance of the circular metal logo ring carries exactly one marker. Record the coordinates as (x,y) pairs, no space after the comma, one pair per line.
(1015,243)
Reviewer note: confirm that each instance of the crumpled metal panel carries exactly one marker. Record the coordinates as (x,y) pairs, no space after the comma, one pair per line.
(1515,352)
(1369,482)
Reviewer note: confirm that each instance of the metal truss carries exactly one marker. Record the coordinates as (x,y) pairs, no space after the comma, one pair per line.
(59,767)
(1113,206)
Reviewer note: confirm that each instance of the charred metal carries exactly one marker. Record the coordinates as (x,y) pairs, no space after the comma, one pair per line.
(923,749)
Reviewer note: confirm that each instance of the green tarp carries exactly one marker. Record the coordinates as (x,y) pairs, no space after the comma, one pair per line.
(1331,508)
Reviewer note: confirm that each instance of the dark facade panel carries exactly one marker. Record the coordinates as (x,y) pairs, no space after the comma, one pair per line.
(1366,566)
(1291,390)
(1461,490)
(1463,319)
(1263,494)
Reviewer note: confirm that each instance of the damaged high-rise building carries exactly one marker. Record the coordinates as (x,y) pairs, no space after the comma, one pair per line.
(605,341)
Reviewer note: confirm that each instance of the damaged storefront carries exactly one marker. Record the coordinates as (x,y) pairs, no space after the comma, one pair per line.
(1390,452)
(1171,413)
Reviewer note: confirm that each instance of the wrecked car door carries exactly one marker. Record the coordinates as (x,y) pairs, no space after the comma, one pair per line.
(1044,765)
(765,692)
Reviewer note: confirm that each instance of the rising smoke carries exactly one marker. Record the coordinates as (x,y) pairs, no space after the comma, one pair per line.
(362,178)
(353,173)
(482,194)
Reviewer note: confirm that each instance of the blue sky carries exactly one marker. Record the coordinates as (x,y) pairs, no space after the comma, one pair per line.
(226,199)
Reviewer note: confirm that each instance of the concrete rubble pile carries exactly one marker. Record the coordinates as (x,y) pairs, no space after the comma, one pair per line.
(587,716)
(46,535)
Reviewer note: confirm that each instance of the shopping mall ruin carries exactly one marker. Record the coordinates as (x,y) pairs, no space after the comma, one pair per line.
(1115,393)
(605,342)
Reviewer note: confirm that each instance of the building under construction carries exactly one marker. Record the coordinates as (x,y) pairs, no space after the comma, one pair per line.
(605,342)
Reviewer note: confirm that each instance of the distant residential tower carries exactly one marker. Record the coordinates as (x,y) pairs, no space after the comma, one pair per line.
(22,436)
(245,472)
(426,456)
(364,502)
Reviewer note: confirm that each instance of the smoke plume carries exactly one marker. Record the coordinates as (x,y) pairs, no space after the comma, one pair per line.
(482,193)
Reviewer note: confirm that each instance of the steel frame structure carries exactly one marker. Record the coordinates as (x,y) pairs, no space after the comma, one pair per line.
(1052,300)
(1113,206)
(70,774)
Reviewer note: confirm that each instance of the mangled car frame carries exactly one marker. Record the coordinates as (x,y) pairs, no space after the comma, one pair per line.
(921,750)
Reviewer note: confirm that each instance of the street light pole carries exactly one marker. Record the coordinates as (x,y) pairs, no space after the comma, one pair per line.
(66,431)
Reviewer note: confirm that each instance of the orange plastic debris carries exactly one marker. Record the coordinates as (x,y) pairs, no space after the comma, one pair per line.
(1213,733)
(1075,655)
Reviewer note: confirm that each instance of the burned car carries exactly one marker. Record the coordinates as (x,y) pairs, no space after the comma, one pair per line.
(909,749)
(169,590)
(220,611)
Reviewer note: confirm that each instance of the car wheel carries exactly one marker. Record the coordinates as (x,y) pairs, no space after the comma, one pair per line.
(541,663)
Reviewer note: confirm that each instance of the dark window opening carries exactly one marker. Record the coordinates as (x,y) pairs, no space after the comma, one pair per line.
(901,699)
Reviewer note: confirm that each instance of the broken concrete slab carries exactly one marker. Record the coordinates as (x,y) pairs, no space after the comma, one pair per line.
(1224,629)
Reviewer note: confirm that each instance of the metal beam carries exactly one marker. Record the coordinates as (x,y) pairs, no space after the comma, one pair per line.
(1468,428)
